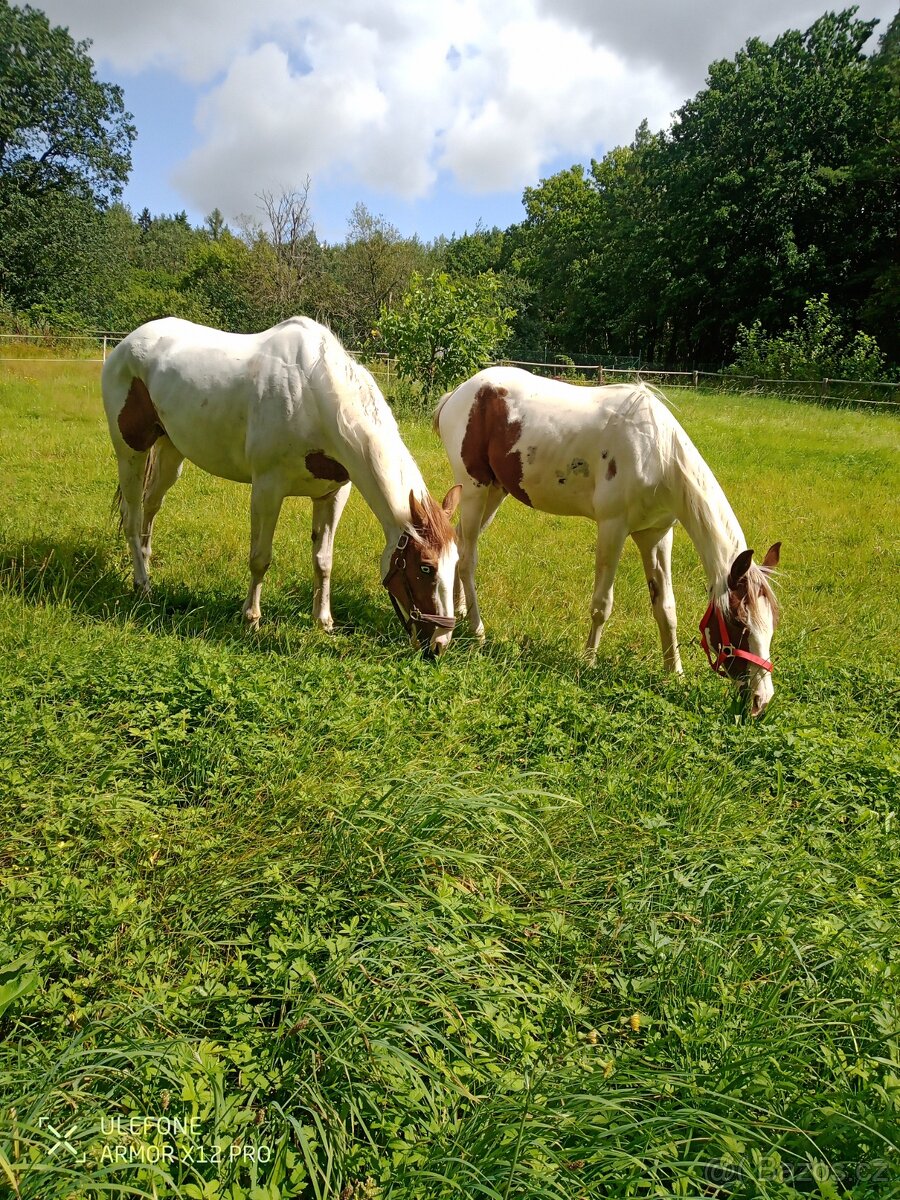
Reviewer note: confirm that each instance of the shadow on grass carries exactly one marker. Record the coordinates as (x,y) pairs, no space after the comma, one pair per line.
(90,579)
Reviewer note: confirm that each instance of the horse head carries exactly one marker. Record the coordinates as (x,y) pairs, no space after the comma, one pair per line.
(422,571)
(737,631)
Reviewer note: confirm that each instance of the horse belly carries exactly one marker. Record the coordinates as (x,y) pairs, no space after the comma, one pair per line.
(212,436)
(560,493)
(558,474)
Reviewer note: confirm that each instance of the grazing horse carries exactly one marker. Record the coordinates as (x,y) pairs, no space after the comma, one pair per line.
(617,455)
(289,412)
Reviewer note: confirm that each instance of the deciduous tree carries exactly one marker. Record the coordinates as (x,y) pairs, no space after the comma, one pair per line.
(444,329)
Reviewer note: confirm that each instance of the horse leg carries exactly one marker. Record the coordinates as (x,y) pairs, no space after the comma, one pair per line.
(610,541)
(477,509)
(265,505)
(656,550)
(326,514)
(165,467)
(132,466)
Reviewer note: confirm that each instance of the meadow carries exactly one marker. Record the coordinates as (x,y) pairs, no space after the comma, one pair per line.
(291,915)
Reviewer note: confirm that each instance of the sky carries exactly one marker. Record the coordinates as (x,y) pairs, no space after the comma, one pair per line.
(435,114)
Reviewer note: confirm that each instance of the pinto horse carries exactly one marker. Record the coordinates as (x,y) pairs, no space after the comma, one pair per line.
(289,412)
(617,455)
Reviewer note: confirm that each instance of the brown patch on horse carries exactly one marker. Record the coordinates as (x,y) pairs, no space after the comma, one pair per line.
(320,466)
(138,420)
(487,447)
(612,469)
(654,590)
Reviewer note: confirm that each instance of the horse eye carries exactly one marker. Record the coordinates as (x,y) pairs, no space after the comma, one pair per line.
(426,569)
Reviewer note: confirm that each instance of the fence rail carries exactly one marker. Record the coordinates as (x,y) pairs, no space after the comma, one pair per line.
(103,340)
(846,391)
(880,393)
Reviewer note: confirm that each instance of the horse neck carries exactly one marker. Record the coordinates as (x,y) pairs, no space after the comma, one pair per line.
(383,470)
(706,515)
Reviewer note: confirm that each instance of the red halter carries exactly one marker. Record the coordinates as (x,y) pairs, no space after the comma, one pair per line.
(727,648)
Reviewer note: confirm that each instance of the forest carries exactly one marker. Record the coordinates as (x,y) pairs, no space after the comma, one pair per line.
(762,222)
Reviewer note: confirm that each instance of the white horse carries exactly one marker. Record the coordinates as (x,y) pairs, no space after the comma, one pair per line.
(289,412)
(617,455)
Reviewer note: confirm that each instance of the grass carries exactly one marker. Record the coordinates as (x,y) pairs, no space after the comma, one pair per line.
(289,915)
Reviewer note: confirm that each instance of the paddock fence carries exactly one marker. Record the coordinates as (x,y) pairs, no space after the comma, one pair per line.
(93,348)
(883,393)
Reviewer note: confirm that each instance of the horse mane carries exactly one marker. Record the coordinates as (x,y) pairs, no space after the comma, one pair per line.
(436,533)
(703,500)
(759,587)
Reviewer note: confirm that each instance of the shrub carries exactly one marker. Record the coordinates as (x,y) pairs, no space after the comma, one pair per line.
(814,346)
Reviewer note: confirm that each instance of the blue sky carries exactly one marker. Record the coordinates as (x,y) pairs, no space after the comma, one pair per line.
(433,114)
(162,104)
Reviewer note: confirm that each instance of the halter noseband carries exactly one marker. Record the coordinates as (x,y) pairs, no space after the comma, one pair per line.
(416,616)
(727,648)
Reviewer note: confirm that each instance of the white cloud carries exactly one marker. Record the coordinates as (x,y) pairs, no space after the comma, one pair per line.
(540,91)
(684,38)
(195,39)
(388,95)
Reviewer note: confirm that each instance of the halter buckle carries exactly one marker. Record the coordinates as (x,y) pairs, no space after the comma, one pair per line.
(727,649)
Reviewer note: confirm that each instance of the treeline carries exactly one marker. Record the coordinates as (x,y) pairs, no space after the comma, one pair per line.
(775,185)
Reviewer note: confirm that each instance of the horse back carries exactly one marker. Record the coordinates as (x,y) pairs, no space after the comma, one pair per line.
(234,404)
(564,449)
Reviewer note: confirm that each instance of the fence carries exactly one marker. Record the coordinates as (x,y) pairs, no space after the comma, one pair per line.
(102,341)
(881,393)
(878,393)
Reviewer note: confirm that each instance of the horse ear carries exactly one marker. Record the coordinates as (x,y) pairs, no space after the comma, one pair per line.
(739,568)
(450,502)
(417,514)
(770,562)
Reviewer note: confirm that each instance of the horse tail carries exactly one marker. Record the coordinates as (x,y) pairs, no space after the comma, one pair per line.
(115,507)
(436,419)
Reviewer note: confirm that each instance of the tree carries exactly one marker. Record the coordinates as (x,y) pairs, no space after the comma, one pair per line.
(285,255)
(761,203)
(215,225)
(221,275)
(878,165)
(61,129)
(553,241)
(372,270)
(65,151)
(444,329)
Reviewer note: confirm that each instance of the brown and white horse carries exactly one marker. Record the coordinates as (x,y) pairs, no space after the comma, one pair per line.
(617,455)
(289,412)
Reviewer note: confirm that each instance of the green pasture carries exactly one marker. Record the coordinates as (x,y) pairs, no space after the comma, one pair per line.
(289,915)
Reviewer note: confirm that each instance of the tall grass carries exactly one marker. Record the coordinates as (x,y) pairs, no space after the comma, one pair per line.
(288,915)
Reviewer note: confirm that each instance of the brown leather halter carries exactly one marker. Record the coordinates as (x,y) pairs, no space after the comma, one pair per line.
(396,575)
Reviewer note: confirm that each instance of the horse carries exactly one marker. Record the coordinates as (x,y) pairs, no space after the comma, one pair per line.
(615,454)
(289,412)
